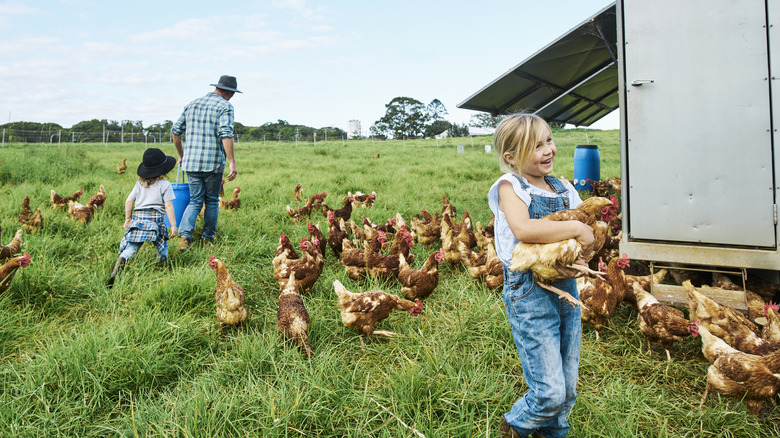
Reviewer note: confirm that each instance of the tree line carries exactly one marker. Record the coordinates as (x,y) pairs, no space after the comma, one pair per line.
(405,118)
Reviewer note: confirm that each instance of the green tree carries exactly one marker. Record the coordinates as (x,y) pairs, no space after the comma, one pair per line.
(437,127)
(436,110)
(330,132)
(459,130)
(404,118)
(378,131)
(485,120)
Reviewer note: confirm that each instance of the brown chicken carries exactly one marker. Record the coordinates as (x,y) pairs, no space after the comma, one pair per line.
(483,265)
(417,284)
(644,282)
(465,231)
(98,199)
(476,262)
(494,278)
(362,199)
(353,258)
(229,295)
(659,322)
(31,222)
(726,323)
(318,244)
(484,235)
(385,266)
(748,377)
(285,249)
(449,243)
(307,268)
(545,259)
(308,207)
(122,167)
(297,193)
(79,212)
(58,201)
(292,319)
(447,207)
(771,329)
(358,232)
(602,296)
(14,246)
(232,204)
(389,227)
(362,311)
(344,212)
(337,232)
(426,228)
(9,267)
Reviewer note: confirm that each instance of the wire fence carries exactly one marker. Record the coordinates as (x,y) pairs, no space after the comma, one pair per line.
(17,136)
(11,135)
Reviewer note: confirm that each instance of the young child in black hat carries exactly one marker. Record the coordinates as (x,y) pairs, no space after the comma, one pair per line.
(151,198)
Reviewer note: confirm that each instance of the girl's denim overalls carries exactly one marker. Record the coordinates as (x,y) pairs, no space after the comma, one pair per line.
(547,332)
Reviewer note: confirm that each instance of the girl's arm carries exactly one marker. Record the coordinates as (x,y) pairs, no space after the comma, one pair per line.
(529,230)
(171,218)
(129,203)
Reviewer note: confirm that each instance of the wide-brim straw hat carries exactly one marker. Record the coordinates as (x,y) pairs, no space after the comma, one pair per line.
(227,83)
(155,163)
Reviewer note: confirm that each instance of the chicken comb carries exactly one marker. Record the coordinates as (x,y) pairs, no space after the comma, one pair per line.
(623,262)
(25,260)
(770,305)
(602,265)
(212,263)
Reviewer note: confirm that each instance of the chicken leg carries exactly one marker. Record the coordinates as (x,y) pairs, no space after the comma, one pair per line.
(563,295)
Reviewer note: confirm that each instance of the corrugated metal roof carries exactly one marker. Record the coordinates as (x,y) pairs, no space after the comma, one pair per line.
(573,80)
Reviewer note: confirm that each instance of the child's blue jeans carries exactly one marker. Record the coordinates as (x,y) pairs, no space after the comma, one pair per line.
(133,247)
(547,333)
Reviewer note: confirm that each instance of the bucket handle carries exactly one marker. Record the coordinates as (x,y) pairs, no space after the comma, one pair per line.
(178,173)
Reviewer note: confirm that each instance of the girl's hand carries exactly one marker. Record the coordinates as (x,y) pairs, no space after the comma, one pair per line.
(174,231)
(127,223)
(585,237)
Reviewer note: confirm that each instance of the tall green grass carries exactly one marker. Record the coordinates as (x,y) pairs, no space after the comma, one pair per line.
(148,358)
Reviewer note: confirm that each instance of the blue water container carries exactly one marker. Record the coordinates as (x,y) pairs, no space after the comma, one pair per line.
(587,164)
(182,193)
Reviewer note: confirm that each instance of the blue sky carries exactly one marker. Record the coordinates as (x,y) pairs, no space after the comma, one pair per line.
(309,62)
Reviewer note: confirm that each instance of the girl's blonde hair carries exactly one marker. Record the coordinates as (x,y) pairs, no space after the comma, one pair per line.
(518,134)
(149,181)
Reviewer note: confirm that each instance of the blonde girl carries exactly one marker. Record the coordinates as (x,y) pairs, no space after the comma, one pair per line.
(546,330)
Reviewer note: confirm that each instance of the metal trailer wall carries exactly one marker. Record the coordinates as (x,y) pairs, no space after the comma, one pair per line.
(697,90)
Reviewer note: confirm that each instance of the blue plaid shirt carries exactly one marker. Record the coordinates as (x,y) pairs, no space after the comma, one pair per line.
(206,120)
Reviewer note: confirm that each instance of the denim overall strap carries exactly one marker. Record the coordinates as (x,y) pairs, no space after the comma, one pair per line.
(542,205)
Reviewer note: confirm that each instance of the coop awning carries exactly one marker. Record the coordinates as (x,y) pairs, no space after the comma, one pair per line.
(573,80)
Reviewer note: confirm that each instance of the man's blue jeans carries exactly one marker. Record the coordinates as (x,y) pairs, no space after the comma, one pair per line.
(204,189)
(547,333)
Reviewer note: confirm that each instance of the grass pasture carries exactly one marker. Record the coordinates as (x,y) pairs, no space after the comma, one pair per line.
(148,358)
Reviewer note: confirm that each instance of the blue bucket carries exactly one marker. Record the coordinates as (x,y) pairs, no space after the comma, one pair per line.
(587,164)
(182,192)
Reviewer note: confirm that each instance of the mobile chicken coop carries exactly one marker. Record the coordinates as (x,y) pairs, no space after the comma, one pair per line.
(697,86)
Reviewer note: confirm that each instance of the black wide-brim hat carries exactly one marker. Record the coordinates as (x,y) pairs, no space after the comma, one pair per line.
(227,83)
(155,163)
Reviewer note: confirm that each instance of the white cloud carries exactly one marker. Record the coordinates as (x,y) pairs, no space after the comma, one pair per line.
(194,29)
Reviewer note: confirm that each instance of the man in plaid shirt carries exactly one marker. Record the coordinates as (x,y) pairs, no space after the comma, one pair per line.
(207,123)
